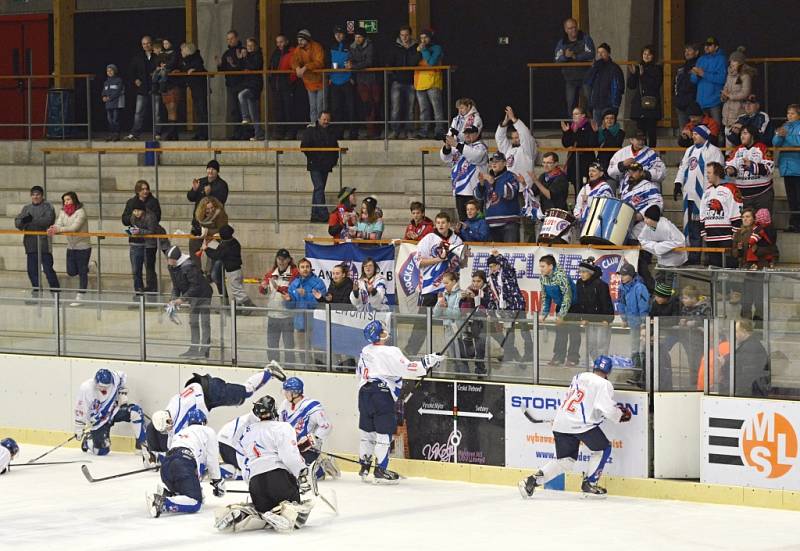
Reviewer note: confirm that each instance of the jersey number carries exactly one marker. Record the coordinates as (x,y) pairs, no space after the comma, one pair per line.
(573,400)
(188,391)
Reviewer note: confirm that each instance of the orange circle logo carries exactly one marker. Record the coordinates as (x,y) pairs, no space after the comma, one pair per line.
(769,444)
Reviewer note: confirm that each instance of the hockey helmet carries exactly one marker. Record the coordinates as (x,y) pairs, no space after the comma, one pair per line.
(104,379)
(196,417)
(264,408)
(11,445)
(293,384)
(602,363)
(374,332)
(162,421)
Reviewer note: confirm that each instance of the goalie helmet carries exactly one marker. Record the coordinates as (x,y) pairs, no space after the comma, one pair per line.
(265,409)
(11,445)
(162,421)
(603,364)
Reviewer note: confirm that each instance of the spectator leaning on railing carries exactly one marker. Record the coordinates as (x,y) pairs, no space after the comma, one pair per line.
(403,53)
(428,86)
(341,84)
(72,218)
(605,84)
(38,215)
(232,60)
(307,59)
(189,286)
(362,56)
(420,225)
(467,159)
(788,135)
(320,163)
(574,46)
(192,62)
(141,67)
(685,91)
(646,79)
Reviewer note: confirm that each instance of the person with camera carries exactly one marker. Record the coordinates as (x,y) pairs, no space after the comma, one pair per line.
(209,186)
(645,79)
(467,159)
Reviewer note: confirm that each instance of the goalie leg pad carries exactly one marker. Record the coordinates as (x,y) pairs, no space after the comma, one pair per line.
(239,517)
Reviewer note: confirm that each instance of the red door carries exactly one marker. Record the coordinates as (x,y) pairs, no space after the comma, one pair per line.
(25,50)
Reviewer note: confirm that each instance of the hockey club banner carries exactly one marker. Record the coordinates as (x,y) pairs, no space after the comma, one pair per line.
(526,262)
(529,436)
(347,330)
(455,423)
(324,257)
(750,443)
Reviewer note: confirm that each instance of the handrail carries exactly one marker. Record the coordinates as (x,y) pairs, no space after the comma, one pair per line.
(54,75)
(667,148)
(112,150)
(557,64)
(415,68)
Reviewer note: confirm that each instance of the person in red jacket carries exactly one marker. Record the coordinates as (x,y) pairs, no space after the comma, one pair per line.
(284,88)
(344,216)
(420,225)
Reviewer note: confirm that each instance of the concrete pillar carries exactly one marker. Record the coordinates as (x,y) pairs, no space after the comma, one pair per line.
(626,25)
(214,19)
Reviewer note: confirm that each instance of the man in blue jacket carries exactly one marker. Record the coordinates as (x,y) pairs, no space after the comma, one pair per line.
(304,293)
(341,90)
(499,193)
(709,75)
(633,304)
(574,46)
(605,83)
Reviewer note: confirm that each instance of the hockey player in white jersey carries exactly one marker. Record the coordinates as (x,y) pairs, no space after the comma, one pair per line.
(276,474)
(312,426)
(230,447)
(589,401)
(380,373)
(8,451)
(103,401)
(201,392)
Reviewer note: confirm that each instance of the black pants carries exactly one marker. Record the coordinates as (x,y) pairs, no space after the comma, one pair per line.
(648,126)
(200,106)
(228,454)
(234,117)
(342,104)
(156,441)
(271,488)
(792,184)
(283,97)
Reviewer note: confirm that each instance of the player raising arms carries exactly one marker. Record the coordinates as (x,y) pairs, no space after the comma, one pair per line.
(380,373)
(103,401)
(589,401)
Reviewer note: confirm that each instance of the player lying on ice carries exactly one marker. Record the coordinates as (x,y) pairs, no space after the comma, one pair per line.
(589,401)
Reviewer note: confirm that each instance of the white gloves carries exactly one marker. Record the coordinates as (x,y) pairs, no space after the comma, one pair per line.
(429,361)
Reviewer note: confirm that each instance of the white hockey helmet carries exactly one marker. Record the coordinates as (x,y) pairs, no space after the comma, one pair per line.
(162,421)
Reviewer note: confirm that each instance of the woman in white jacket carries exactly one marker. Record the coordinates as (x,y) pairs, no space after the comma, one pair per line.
(73,219)
(369,291)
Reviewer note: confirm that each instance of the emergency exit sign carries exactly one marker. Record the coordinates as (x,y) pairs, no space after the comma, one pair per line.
(369,25)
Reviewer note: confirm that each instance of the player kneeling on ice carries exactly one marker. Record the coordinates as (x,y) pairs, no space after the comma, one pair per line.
(380,371)
(276,474)
(589,401)
(311,425)
(202,392)
(8,451)
(103,401)
(230,445)
(193,451)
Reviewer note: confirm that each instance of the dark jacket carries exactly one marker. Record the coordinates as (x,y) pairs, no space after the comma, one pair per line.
(339,294)
(146,225)
(584,49)
(140,69)
(229,62)
(114,90)
(254,62)
(400,56)
(605,138)
(363,57)
(151,205)
(317,136)
(196,84)
(647,84)
(606,85)
(219,189)
(558,185)
(584,136)
(670,311)
(229,252)
(753,376)
(36,218)
(593,301)
(281,59)
(684,89)
(172,60)
(188,281)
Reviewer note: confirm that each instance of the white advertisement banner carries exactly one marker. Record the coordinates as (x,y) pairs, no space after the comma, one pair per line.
(526,261)
(529,438)
(750,443)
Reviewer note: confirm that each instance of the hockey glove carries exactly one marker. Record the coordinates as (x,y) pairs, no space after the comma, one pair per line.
(429,361)
(276,370)
(677,191)
(80,431)
(302,481)
(305,443)
(219,487)
(626,413)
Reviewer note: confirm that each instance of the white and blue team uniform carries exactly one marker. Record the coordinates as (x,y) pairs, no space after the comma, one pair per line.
(8,450)
(102,402)
(310,424)
(230,445)
(431,246)
(380,373)
(589,402)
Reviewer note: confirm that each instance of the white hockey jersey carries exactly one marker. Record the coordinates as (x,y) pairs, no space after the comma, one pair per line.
(466,160)
(661,240)
(460,122)
(367,302)
(430,247)
(519,160)
(589,402)
(387,365)
(5,459)
(231,433)
(720,213)
(646,157)
(270,445)
(586,195)
(202,442)
(692,170)
(641,196)
(308,418)
(94,409)
(181,404)
(753,169)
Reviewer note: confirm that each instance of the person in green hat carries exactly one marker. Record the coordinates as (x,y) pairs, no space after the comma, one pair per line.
(344,216)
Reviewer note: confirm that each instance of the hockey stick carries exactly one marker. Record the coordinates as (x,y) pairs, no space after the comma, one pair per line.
(347,459)
(50,463)
(315,489)
(510,329)
(529,416)
(64,443)
(444,349)
(90,478)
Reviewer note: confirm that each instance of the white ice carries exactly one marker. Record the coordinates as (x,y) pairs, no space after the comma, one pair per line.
(55,507)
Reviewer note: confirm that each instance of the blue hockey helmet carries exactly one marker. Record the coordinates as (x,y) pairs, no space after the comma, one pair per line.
(602,363)
(196,417)
(293,384)
(11,445)
(374,331)
(104,377)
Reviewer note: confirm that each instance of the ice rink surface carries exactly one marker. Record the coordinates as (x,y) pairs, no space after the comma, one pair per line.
(55,507)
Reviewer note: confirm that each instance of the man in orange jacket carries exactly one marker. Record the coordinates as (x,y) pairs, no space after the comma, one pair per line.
(307,59)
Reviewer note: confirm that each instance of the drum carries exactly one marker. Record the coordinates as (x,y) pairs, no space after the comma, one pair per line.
(607,222)
(556,225)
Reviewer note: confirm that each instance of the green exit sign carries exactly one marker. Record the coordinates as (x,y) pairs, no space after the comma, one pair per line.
(369,25)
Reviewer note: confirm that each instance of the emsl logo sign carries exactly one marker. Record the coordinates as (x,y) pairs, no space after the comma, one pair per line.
(769,444)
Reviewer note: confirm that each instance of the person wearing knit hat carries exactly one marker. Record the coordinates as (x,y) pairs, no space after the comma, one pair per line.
(666,305)
(113,97)
(605,84)
(307,59)
(593,308)
(189,286)
(738,85)
(210,185)
(343,219)
(660,237)
(702,131)
(663,290)
(341,96)
(228,251)
(596,187)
